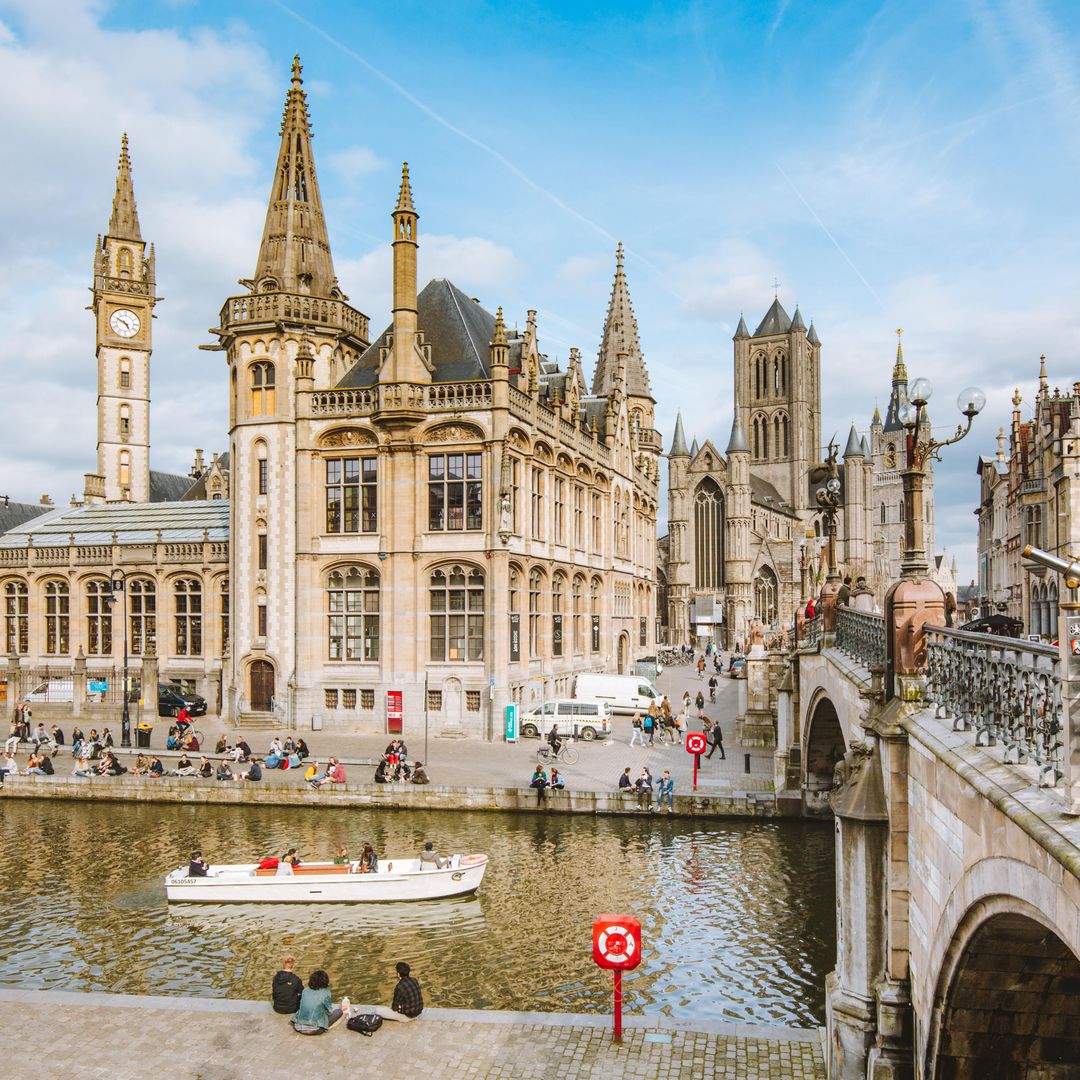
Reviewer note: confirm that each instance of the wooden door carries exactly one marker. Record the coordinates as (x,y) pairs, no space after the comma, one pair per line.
(262,686)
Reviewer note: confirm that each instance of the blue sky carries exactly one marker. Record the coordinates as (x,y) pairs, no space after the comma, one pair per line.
(893,165)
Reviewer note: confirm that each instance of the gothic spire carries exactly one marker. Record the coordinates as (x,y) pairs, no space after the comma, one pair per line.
(740,330)
(295,252)
(737,443)
(899,371)
(124,222)
(621,336)
(678,442)
(898,397)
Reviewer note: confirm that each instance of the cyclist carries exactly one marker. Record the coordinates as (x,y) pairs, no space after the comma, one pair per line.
(712,689)
(554,741)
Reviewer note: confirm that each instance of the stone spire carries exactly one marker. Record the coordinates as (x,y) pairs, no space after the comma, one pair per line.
(854,446)
(899,371)
(678,442)
(797,320)
(694,448)
(407,361)
(1044,386)
(737,443)
(621,336)
(124,221)
(295,252)
(811,335)
(740,330)
(898,398)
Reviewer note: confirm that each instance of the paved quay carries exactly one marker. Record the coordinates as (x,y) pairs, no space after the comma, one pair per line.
(122,1037)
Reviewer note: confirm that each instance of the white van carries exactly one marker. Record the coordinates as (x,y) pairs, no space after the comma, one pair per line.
(54,688)
(586,720)
(621,693)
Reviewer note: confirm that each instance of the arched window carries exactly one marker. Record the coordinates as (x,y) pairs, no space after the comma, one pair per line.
(882,513)
(187,603)
(901,511)
(125,373)
(594,605)
(125,420)
(98,618)
(262,468)
(536,581)
(558,598)
(57,618)
(124,262)
(262,615)
(142,616)
(353,605)
(776,375)
(765,596)
(262,389)
(223,613)
(579,614)
(708,535)
(125,469)
(16,618)
(761,437)
(457,614)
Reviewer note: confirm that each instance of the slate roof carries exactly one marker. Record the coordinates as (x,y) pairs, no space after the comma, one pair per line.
(737,443)
(740,330)
(811,335)
(133,523)
(776,321)
(14,514)
(678,441)
(457,328)
(168,487)
(764,494)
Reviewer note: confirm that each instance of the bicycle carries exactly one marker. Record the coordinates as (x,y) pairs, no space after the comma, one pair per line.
(567,755)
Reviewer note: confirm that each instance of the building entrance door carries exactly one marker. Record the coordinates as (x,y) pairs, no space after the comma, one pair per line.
(262,686)
(622,654)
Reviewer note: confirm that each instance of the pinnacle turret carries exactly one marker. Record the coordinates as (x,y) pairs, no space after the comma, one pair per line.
(854,446)
(737,444)
(678,441)
(295,252)
(124,221)
(404,199)
(740,330)
(811,335)
(797,320)
(621,336)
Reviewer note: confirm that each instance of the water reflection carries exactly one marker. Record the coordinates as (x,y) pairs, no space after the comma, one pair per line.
(737,917)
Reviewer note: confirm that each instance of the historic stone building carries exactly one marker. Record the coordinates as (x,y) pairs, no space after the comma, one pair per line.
(437,518)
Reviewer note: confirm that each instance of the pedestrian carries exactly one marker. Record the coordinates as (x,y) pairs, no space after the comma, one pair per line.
(637,737)
(666,790)
(682,722)
(701,667)
(718,742)
(699,701)
(648,727)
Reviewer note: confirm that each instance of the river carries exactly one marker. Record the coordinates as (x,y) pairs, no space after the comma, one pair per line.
(738,917)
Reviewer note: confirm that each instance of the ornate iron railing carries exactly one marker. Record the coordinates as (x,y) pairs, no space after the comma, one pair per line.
(811,638)
(861,634)
(1009,691)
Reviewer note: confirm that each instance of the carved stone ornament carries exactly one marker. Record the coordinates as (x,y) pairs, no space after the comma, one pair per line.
(453,433)
(518,440)
(348,437)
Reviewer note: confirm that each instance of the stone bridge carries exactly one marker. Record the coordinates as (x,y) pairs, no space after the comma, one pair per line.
(951,763)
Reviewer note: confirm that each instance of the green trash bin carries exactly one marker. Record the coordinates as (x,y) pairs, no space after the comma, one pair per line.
(142,737)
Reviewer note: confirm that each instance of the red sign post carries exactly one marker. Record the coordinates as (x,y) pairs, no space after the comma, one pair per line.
(695,744)
(616,946)
(395,712)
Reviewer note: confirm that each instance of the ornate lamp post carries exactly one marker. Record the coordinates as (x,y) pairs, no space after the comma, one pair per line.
(828,498)
(118,584)
(970,402)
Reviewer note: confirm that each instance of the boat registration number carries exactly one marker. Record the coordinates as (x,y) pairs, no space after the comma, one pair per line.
(184,881)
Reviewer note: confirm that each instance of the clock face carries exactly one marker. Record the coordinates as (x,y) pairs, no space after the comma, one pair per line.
(124,323)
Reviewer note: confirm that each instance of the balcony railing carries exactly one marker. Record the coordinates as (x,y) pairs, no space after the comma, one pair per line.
(861,635)
(812,630)
(289,307)
(1009,691)
(433,397)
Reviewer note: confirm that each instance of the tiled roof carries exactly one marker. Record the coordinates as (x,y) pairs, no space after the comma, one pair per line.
(133,523)
(14,514)
(776,321)
(168,487)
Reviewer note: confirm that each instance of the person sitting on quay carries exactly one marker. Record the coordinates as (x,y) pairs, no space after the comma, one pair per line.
(224,770)
(241,751)
(189,742)
(419,776)
(110,765)
(273,760)
(8,764)
(105,739)
(644,787)
(288,862)
(402,772)
(313,773)
(254,773)
(666,791)
(156,770)
(14,736)
(35,764)
(184,767)
(206,769)
(430,859)
(172,740)
(83,768)
(275,748)
(141,766)
(198,867)
(368,863)
(539,781)
(407,1003)
(335,774)
(625,783)
(288,746)
(57,734)
(317,1012)
(291,760)
(222,747)
(556,783)
(287,988)
(77,739)
(302,750)
(40,737)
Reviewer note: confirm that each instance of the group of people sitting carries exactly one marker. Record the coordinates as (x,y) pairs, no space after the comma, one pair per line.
(394,766)
(182,738)
(541,782)
(19,731)
(312,1007)
(643,788)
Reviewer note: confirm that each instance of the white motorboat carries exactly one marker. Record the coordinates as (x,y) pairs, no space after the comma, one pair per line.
(327,883)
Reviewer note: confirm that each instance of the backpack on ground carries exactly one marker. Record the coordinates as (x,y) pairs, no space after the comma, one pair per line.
(365,1023)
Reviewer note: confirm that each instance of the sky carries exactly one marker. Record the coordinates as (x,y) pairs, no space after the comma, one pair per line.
(896,164)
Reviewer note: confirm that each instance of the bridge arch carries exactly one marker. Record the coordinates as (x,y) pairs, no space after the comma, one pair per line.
(1008,978)
(824,747)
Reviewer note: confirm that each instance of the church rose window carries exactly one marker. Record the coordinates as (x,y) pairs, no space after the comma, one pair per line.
(353,604)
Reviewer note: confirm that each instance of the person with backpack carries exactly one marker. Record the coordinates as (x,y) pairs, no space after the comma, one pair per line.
(407,1004)
(649,726)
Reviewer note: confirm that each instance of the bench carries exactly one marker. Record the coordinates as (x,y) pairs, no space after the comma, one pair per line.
(308,868)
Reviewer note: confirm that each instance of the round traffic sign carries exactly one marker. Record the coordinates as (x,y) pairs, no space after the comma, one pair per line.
(695,743)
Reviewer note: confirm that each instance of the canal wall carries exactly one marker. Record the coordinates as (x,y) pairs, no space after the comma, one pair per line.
(191,790)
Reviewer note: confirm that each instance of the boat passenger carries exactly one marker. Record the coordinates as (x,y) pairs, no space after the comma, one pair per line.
(287,988)
(429,858)
(419,776)
(317,1011)
(342,856)
(369,861)
(198,867)
(288,863)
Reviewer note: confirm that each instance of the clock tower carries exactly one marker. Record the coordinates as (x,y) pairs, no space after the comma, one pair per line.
(123,307)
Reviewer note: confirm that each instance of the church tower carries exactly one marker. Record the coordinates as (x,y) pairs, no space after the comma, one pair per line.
(283,340)
(123,304)
(778,398)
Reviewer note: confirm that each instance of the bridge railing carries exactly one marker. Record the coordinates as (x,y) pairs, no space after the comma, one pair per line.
(861,634)
(812,631)
(1008,691)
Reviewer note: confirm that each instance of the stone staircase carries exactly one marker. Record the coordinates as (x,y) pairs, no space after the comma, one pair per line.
(257,721)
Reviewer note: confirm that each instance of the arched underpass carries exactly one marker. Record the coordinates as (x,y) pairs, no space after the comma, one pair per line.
(824,748)
(1012,1006)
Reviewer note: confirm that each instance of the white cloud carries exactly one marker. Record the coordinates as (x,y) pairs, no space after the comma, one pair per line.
(354,163)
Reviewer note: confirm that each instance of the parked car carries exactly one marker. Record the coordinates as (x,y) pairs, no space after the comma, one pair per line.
(196,703)
(737,667)
(586,720)
(621,693)
(169,702)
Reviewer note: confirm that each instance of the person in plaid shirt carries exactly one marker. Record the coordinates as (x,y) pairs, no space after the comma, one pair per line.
(408,1000)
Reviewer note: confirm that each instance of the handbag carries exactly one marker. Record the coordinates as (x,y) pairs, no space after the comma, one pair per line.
(365,1023)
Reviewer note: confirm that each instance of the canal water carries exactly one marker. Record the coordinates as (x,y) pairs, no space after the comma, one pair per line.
(738,917)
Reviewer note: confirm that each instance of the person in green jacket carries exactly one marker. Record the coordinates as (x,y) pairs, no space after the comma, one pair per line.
(317,1012)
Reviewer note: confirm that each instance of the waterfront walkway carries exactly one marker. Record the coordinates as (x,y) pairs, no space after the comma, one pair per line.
(123,1037)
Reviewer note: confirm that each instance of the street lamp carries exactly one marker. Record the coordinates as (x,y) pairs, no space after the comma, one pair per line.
(828,499)
(118,584)
(971,401)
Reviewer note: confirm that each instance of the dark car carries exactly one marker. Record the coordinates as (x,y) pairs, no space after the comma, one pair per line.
(737,667)
(194,703)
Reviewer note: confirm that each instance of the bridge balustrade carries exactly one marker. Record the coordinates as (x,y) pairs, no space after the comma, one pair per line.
(861,634)
(1008,691)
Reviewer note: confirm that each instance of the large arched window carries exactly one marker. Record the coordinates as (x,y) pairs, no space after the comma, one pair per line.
(98,618)
(709,535)
(187,605)
(761,436)
(16,618)
(594,606)
(223,613)
(262,389)
(558,601)
(780,435)
(579,614)
(456,597)
(352,606)
(536,582)
(765,596)
(57,618)
(142,617)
